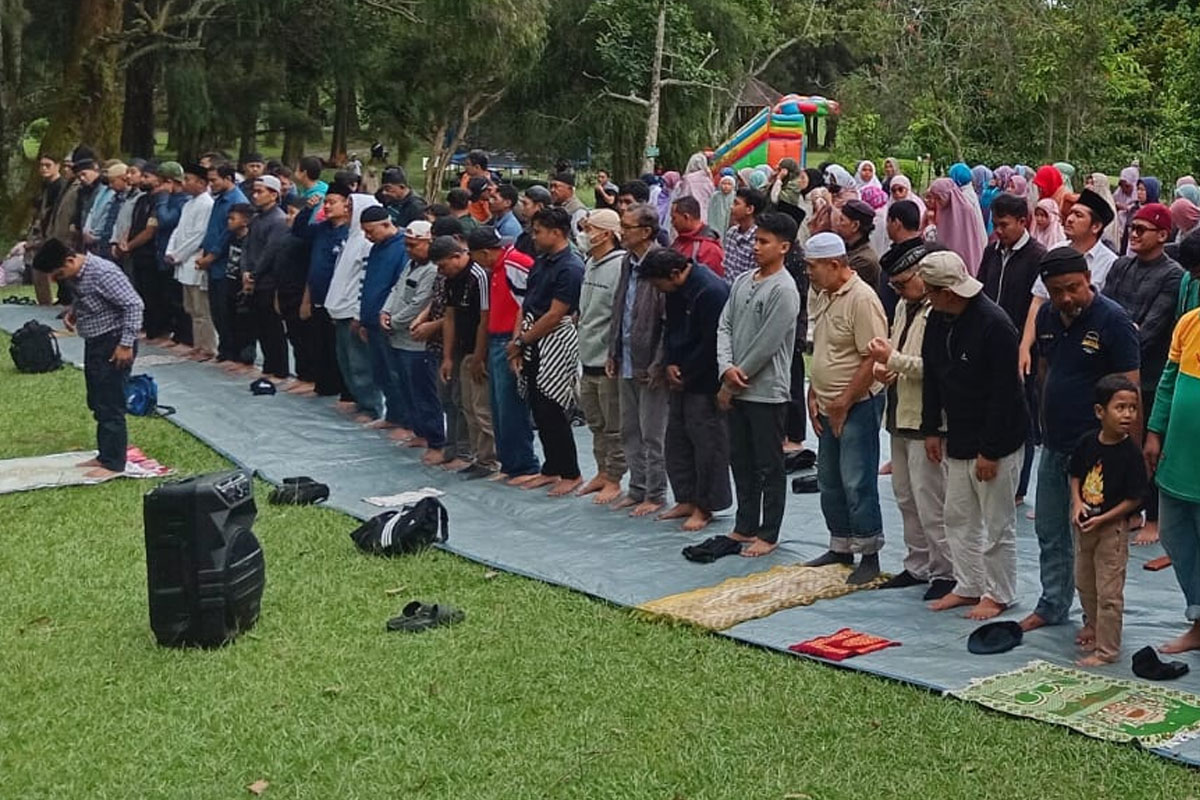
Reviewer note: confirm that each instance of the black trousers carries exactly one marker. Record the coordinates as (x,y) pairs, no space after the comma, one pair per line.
(797,409)
(697,451)
(553,428)
(268,330)
(756,455)
(106,398)
(153,284)
(1151,503)
(323,353)
(222,302)
(299,336)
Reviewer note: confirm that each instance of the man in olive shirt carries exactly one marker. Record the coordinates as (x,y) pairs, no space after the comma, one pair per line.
(845,404)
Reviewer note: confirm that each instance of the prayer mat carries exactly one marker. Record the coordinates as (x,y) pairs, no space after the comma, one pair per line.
(844,644)
(62,469)
(736,600)
(1112,709)
(155,360)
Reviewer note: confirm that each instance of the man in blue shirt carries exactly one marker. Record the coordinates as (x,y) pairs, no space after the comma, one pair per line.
(502,202)
(1082,336)
(214,253)
(387,258)
(325,241)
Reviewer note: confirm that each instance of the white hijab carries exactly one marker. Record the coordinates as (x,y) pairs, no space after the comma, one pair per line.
(345,289)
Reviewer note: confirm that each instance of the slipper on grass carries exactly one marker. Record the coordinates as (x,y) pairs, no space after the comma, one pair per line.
(417,616)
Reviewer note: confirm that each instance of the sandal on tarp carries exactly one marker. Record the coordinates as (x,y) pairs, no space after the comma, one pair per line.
(711,549)
(417,616)
(301,491)
(18,300)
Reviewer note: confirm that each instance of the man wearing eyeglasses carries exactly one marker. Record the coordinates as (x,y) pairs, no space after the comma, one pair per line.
(1146,285)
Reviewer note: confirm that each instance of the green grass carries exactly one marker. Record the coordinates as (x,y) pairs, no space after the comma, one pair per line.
(541,693)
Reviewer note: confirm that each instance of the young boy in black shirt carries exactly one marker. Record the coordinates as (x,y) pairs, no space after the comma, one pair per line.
(242,310)
(1108,480)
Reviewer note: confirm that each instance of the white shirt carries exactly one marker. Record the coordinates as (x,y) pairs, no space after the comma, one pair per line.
(184,244)
(1100,259)
(344,298)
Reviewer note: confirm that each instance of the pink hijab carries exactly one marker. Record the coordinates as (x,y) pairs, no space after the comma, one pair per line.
(1050,234)
(1185,215)
(959,225)
(697,182)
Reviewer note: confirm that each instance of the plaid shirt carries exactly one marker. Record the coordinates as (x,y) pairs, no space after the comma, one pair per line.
(106,301)
(739,252)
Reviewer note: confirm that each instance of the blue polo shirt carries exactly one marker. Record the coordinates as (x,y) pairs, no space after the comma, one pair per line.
(1100,341)
(554,277)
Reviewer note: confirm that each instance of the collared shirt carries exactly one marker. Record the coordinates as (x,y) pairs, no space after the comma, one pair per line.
(627,317)
(1007,252)
(844,323)
(1100,341)
(555,276)
(510,277)
(1099,259)
(1149,293)
(739,252)
(508,227)
(105,301)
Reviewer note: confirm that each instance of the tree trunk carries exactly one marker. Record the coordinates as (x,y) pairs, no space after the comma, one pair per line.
(248,135)
(343,110)
(652,110)
(1049,134)
(438,155)
(14,212)
(137,126)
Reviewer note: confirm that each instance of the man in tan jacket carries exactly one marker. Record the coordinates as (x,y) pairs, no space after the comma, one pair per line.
(918,483)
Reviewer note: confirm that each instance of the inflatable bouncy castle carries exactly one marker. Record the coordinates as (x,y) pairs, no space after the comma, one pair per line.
(774,133)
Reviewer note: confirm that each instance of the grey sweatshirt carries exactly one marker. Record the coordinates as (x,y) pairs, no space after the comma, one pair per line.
(757,332)
(407,300)
(596,307)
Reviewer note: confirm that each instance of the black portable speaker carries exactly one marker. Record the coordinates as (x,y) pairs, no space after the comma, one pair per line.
(204,567)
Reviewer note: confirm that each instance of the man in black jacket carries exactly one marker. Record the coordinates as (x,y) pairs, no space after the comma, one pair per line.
(970,355)
(267,230)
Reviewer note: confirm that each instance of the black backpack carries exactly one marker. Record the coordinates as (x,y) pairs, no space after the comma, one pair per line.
(396,533)
(34,348)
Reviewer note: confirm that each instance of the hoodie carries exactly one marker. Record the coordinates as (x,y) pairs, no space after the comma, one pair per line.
(343,299)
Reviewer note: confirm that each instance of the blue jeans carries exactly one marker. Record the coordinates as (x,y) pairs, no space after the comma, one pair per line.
(384,376)
(848,477)
(105,384)
(354,360)
(418,384)
(1056,548)
(511,423)
(1179,530)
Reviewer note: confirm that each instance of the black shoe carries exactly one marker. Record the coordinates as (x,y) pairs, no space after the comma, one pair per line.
(902,581)
(475,472)
(940,588)
(866,571)
(830,557)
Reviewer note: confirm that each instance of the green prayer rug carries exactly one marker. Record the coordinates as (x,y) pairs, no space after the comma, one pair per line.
(1113,709)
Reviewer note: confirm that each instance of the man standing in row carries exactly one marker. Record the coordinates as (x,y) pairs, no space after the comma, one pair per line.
(215,251)
(183,251)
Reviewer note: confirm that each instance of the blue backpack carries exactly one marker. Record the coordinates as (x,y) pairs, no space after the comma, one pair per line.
(141,397)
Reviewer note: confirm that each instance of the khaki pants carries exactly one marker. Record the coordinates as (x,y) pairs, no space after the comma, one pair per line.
(1100,559)
(600,399)
(981,528)
(477,407)
(920,489)
(204,335)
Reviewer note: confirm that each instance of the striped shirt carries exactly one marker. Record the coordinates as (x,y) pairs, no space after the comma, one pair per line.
(105,301)
(468,294)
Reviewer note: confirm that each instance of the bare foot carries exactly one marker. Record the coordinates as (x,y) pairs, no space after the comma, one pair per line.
(758,547)
(1136,521)
(678,511)
(345,406)
(400,435)
(417,441)
(886,469)
(455,464)
(610,492)
(623,503)
(1019,500)
(1032,623)
(521,480)
(1086,638)
(1147,535)
(300,387)
(591,487)
(382,424)
(986,608)
(1093,661)
(792,447)
(740,537)
(952,600)
(645,509)
(564,486)
(538,481)
(1031,513)
(698,521)
(496,477)
(432,458)
(91,462)
(102,473)
(1182,644)
(364,419)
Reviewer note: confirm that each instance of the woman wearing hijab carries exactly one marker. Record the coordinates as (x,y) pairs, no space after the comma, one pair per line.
(958,224)
(1190,192)
(1047,224)
(960,174)
(783,186)
(1185,216)
(902,190)
(1020,187)
(1126,194)
(1068,174)
(809,181)
(1148,190)
(670,184)
(1002,176)
(720,204)
(865,176)
(983,181)
(1049,183)
(877,199)
(838,177)
(1098,183)
(822,211)
(759,178)
(697,182)
(891,168)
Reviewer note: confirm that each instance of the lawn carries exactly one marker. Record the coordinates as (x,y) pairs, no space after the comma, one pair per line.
(540,693)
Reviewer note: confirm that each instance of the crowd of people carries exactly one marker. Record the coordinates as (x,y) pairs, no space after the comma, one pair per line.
(996,312)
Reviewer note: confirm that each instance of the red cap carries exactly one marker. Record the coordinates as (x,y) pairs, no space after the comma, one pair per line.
(1156,214)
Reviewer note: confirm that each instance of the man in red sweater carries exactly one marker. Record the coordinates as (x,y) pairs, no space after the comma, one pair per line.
(693,239)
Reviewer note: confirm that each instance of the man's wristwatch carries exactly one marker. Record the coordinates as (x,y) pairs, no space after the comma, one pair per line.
(519,341)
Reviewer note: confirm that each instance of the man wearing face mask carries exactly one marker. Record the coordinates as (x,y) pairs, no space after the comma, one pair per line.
(599,394)
(1082,336)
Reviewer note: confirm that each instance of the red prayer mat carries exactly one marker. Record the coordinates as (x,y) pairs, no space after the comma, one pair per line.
(844,644)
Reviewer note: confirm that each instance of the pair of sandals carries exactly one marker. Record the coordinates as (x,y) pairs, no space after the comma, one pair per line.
(300,491)
(19,300)
(417,616)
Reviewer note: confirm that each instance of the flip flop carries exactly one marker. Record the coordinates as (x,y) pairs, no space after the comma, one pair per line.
(417,616)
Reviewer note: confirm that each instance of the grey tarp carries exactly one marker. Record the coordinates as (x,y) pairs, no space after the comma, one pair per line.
(573,543)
